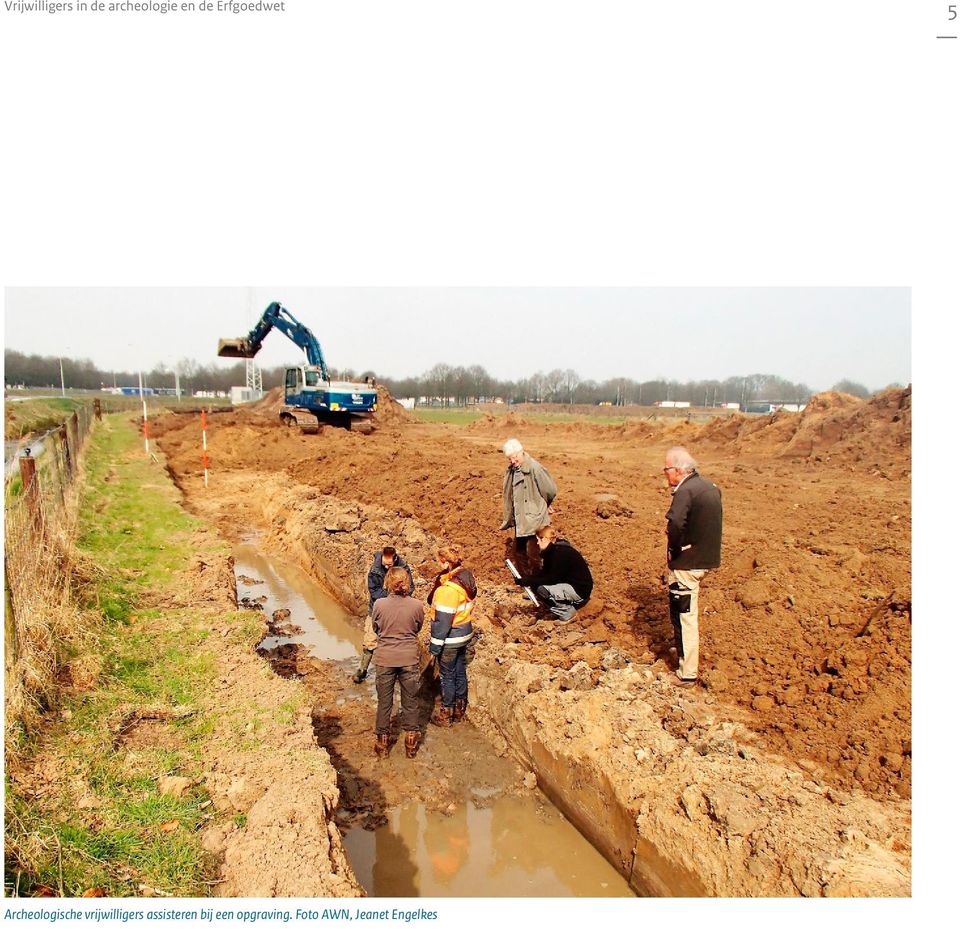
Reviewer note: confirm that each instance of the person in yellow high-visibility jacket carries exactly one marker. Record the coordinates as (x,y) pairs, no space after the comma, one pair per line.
(452,598)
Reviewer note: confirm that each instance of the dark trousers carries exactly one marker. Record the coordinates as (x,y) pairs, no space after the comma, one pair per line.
(453,675)
(524,552)
(409,679)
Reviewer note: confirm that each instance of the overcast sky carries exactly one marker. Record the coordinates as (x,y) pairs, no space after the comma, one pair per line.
(817,336)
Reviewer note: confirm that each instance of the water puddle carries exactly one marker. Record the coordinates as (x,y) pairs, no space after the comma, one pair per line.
(286,587)
(518,846)
(495,841)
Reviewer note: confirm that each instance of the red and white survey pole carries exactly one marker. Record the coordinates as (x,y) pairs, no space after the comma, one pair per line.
(146,425)
(206,457)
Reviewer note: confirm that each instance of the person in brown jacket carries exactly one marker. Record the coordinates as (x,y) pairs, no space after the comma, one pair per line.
(397,618)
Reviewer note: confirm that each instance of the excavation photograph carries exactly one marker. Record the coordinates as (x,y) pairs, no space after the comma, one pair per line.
(421,593)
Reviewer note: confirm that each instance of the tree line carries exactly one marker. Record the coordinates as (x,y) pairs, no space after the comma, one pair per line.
(442,384)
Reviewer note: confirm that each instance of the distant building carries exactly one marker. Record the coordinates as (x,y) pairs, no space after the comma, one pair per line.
(673,404)
(244,395)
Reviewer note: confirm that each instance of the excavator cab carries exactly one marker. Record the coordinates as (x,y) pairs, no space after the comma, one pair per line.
(293,382)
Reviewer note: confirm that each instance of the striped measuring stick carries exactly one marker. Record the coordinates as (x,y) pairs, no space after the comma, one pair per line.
(206,457)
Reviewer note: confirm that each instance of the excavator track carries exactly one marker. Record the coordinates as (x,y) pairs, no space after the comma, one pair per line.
(298,419)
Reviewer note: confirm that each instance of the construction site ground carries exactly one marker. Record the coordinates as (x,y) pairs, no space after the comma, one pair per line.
(786,772)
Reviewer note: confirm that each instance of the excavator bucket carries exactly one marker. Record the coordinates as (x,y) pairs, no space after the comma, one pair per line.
(234,348)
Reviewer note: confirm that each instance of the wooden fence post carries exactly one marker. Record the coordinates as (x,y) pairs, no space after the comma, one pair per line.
(31,490)
(74,424)
(62,435)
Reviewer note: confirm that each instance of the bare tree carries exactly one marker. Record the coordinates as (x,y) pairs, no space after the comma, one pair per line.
(571,380)
(851,387)
(537,389)
(480,381)
(438,377)
(552,384)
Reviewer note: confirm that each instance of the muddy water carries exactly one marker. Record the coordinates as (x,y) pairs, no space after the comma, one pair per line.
(497,841)
(337,637)
(518,846)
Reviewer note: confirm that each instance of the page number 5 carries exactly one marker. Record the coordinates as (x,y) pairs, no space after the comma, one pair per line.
(952,11)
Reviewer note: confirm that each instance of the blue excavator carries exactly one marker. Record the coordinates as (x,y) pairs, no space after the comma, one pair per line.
(310,398)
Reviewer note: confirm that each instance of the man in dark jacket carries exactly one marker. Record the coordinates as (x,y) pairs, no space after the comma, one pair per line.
(694,530)
(382,563)
(564,584)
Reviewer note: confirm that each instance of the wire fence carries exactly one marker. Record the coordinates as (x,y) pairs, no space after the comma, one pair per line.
(40,513)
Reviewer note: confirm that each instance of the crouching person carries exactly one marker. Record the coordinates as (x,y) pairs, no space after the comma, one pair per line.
(452,598)
(565,583)
(397,618)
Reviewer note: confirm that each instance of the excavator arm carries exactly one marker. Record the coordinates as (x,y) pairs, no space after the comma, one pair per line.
(275,316)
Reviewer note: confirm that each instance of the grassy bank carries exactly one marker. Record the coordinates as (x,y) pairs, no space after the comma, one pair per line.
(37,414)
(106,797)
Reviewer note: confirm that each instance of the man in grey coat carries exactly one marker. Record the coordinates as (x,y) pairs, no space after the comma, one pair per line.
(528,491)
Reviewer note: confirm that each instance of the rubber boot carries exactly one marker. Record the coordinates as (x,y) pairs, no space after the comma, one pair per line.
(411,742)
(443,717)
(364,664)
(381,747)
(459,711)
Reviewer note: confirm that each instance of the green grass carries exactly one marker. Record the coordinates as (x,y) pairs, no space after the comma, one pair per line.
(37,415)
(451,415)
(142,541)
(461,417)
(102,822)
(597,420)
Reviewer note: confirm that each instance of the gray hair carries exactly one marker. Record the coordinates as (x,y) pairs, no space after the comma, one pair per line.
(512,447)
(678,457)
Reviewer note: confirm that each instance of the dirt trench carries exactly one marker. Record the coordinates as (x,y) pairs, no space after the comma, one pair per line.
(722,791)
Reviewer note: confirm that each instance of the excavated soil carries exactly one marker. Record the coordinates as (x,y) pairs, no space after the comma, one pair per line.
(805,628)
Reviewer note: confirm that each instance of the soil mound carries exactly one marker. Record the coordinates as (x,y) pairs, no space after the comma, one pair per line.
(874,432)
(508,422)
(389,411)
(269,404)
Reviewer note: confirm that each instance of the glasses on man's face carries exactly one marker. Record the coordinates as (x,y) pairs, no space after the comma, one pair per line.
(668,470)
